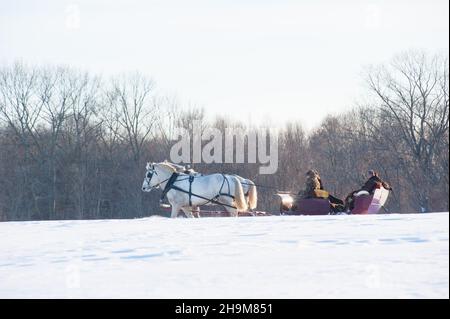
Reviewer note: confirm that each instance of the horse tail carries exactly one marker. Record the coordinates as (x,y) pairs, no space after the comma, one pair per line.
(252,195)
(239,198)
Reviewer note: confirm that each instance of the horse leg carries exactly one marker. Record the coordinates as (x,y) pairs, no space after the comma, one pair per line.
(196,211)
(175,210)
(247,199)
(233,211)
(188,212)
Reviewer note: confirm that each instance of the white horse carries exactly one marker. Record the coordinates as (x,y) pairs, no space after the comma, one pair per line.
(186,192)
(248,186)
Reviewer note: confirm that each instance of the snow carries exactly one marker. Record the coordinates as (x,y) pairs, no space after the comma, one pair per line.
(372,256)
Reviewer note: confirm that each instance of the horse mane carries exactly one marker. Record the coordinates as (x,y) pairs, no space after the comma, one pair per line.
(177,166)
(167,165)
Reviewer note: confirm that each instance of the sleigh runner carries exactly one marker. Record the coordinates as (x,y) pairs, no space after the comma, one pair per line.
(223,213)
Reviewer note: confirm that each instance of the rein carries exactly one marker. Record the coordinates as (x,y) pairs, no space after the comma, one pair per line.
(259,185)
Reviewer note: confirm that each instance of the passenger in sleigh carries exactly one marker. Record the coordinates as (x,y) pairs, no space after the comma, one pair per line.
(314,189)
(374,182)
(313,185)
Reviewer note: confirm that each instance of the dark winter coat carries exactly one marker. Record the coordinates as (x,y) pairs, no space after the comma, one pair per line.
(373,182)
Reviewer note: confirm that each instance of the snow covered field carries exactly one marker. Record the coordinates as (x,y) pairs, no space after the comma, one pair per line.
(379,256)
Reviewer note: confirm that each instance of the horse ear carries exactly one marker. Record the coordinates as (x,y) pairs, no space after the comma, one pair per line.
(147,166)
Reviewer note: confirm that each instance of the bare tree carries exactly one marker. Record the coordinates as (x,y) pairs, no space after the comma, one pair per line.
(20,109)
(81,130)
(136,111)
(413,95)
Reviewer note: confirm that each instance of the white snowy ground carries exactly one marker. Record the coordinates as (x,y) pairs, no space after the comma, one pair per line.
(377,256)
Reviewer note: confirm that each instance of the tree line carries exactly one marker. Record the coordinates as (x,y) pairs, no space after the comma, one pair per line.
(74,145)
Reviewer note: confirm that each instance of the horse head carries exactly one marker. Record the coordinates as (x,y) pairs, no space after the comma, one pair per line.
(148,185)
(156,173)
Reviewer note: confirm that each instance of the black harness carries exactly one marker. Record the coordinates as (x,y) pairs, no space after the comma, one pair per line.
(173,179)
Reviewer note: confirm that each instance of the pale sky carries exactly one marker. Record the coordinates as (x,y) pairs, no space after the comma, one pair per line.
(261,61)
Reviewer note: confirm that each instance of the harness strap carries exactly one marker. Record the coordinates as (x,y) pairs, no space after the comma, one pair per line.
(225,179)
(208,200)
(223,182)
(191,179)
(169,185)
(228,184)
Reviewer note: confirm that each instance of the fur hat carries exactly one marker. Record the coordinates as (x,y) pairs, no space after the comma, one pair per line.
(312,173)
(371,172)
